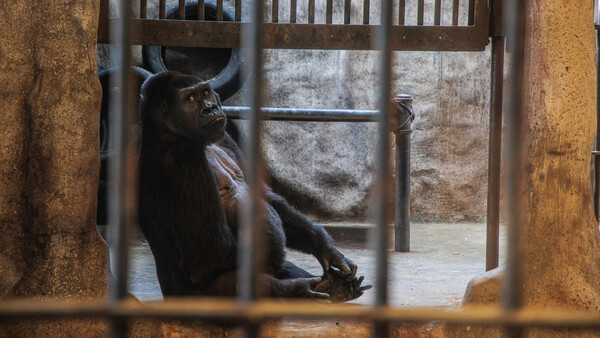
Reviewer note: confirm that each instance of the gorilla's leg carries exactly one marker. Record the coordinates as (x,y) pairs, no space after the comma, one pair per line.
(289,270)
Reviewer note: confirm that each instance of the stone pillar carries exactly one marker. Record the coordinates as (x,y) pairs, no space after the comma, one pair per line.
(561,241)
(49,159)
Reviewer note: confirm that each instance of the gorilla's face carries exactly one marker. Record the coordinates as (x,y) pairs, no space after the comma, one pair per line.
(192,110)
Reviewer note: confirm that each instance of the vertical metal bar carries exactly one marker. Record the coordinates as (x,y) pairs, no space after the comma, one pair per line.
(293,7)
(438,13)
(122,170)
(455,7)
(219,10)
(403,115)
(401,12)
(162,5)
(238,10)
(275,11)
(181,10)
(382,177)
(515,22)
(347,8)
(597,147)
(201,10)
(494,155)
(471,17)
(420,10)
(143,9)
(250,256)
(329,12)
(311,11)
(366,11)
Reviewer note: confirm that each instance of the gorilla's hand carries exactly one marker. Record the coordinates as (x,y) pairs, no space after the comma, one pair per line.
(330,257)
(303,288)
(341,289)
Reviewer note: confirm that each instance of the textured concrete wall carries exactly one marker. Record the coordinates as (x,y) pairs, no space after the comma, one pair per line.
(326,168)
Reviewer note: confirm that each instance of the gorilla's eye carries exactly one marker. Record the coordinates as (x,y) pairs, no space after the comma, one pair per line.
(205,92)
(191,98)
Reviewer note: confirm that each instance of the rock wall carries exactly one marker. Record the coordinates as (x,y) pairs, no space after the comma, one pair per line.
(326,169)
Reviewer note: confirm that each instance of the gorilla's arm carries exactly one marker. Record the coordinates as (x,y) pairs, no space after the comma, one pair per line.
(309,237)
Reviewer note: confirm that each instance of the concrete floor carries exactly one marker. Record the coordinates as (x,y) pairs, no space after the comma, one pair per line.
(443,258)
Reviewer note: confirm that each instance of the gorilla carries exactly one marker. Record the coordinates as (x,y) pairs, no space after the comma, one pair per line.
(190,187)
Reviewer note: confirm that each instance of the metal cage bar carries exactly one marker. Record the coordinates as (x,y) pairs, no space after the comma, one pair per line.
(219,10)
(181,10)
(275,11)
(455,8)
(251,253)
(311,11)
(162,5)
(515,22)
(382,175)
(471,14)
(329,12)
(293,9)
(366,11)
(143,9)
(420,10)
(401,12)
(347,9)
(201,10)
(597,143)
(437,13)
(238,10)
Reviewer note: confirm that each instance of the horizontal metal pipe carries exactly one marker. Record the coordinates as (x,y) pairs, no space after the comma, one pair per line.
(188,308)
(295,114)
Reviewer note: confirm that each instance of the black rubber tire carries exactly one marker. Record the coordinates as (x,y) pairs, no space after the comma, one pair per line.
(105,75)
(230,79)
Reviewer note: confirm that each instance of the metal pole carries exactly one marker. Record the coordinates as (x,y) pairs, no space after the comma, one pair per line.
(382,178)
(122,170)
(250,256)
(494,155)
(514,11)
(404,117)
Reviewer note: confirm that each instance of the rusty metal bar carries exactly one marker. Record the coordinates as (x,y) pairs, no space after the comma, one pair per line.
(212,308)
(347,8)
(366,11)
(238,10)
(329,12)
(314,115)
(251,233)
(275,11)
(181,10)
(316,36)
(143,9)
(471,15)
(401,12)
(438,13)
(494,155)
(103,22)
(511,292)
(311,11)
(403,117)
(597,145)
(293,7)
(162,5)
(420,10)
(382,175)
(122,208)
(219,10)
(201,10)
(455,8)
